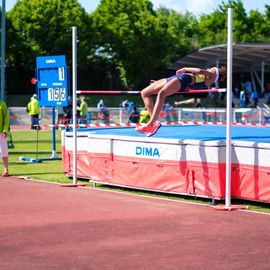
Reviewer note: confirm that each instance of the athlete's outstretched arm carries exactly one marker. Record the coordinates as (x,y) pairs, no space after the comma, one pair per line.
(208,73)
(188,70)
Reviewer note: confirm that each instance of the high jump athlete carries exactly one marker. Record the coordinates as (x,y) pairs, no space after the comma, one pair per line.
(188,77)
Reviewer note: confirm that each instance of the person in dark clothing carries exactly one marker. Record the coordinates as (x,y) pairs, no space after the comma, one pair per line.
(255,98)
(134,115)
(68,112)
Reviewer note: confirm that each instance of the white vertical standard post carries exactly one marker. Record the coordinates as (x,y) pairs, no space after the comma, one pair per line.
(229,108)
(121,115)
(74,101)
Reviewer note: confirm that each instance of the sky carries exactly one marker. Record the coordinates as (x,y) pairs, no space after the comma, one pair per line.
(197,7)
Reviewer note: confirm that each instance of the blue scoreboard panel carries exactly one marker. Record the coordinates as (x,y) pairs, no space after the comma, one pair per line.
(52,80)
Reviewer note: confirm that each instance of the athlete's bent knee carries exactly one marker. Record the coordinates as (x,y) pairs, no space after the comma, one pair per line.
(144,93)
(162,93)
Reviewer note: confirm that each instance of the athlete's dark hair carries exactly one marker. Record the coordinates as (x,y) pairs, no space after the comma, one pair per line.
(222,72)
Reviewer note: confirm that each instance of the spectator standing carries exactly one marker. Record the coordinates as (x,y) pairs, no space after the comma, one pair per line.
(134,115)
(101,104)
(166,111)
(198,103)
(144,116)
(255,98)
(130,106)
(83,110)
(248,87)
(124,103)
(267,94)
(68,112)
(104,116)
(243,99)
(243,104)
(34,111)
(4,128)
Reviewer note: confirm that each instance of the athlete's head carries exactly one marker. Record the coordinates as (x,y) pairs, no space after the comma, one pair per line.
(222,72)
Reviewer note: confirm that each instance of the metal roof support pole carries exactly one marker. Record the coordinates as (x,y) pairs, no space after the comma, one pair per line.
(262,77)
(253,80)
(258,78)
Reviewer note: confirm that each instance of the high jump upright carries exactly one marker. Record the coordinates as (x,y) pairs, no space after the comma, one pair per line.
(74,108)
(228,205)
(229,108)
(74,99)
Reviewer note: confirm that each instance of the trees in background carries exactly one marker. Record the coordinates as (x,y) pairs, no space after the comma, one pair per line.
(180,31)
(252,27)
(130,38)
(122,43)
(43,27)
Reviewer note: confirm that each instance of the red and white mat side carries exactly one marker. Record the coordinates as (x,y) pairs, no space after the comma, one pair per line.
(189,167)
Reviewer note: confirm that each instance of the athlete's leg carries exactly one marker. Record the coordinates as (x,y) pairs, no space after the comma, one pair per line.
(149,91)
(5,163)
(168,89)
(4,152)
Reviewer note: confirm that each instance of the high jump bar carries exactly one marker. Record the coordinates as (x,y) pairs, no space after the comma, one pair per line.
(119,92)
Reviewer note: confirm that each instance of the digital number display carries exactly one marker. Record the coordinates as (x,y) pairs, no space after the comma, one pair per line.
(61,73)
(57,94)
(52,80)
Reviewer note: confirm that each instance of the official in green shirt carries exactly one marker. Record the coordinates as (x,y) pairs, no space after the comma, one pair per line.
(34,111)
(83,110)
(4,128)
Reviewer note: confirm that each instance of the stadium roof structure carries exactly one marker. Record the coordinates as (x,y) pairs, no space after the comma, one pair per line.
(247,57)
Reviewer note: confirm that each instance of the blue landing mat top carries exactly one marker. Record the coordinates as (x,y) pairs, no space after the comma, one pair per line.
(194,132)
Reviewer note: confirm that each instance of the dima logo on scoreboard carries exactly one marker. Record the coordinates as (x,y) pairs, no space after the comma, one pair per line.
(50,61)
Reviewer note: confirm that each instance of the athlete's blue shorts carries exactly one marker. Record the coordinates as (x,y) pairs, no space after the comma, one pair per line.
(184,78)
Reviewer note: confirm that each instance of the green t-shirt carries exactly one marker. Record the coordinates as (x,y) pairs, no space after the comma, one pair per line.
(33,107)
(4,118)
(83,109)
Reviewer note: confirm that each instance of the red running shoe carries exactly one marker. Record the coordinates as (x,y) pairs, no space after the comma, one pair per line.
(157,123)
(144,129)
(148,129)
(155,128)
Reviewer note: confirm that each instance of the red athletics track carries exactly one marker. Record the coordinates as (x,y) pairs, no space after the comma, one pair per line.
(44,226)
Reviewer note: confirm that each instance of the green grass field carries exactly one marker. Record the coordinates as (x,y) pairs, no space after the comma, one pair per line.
(38,144)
